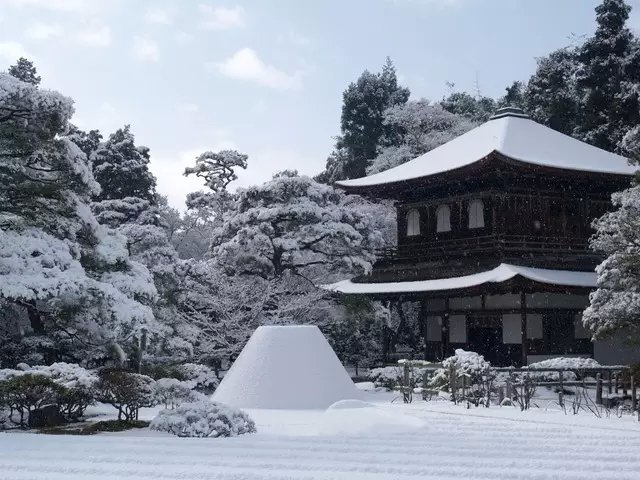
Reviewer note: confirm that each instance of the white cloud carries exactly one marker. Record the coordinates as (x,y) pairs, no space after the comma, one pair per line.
(108,107)
(222,18)
(430,3)
(188,107)
(95,36)
(158,16)
(293,38)
(183,38)
(56,5)
(246,65)
(146,49)
(12,51)
(42,31)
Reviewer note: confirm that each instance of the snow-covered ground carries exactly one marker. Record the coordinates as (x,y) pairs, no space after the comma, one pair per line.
(424,440)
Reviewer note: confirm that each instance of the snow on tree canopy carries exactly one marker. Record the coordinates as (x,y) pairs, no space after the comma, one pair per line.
(69,275)
(516,137)
(36,266)
(286,367)
(293,223)
(615,305)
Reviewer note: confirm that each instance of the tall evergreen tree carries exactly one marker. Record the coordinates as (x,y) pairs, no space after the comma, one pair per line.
(551,96)
(361,123)
(122,168)
(608,79)
(70,280)
(476,109)
(25,71)
(514,96)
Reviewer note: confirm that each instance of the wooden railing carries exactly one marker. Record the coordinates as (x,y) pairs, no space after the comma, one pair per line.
(489,244)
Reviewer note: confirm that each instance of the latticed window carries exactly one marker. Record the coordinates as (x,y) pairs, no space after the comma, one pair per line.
(413,223)
(443,216)
(476,214)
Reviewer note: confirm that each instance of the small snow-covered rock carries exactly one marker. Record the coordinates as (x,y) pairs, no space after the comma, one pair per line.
(366,386)
(352,403)
(367,420)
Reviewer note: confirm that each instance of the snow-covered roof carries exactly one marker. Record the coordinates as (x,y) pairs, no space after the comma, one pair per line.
(512,134)
(501,273)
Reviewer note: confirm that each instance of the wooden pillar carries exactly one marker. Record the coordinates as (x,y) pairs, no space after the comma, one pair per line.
(523,327)
(423,325)
(444,343)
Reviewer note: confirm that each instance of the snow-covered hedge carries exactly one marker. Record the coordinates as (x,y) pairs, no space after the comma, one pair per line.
(126,391)
(199,377)
(391,377)
(470,364)
(78,384)
(573,363)
(171,392)
(204,419)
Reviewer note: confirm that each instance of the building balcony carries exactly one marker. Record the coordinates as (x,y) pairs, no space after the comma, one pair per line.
(494,246)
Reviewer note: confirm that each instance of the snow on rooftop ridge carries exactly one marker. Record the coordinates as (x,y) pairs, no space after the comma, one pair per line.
(286,367)
(501,273)
(513,135)
(509,112)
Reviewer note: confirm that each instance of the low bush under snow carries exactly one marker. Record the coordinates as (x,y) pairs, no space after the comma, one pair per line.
(204,419)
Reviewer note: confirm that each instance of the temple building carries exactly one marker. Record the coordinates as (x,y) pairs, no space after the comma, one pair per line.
(493,233)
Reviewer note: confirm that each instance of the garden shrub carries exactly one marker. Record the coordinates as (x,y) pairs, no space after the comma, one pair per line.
(25,392)
(200,377)
(171,392)
(79,385)
(574,363)
(204,419)
(467,376)
(392,377)
(126,391)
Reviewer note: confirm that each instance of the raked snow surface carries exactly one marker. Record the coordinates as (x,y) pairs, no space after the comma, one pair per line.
(433,440)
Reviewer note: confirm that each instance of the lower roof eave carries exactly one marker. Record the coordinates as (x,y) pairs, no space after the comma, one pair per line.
(501,274)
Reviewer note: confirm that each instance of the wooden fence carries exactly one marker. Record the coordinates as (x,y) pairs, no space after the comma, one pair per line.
(615,379)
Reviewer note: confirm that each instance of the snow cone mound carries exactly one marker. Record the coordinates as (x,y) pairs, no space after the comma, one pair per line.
(286,367)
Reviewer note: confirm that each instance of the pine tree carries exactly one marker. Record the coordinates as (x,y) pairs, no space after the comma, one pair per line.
(615,305)
(25,71)
(70,278)
(122,168)
(361,123)
(607,79)
(88,142)
(514,96)
(551,95)
(477,109)
(419,127)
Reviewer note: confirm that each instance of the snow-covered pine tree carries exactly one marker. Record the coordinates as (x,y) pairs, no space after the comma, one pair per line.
(475,108)
(122,168)
(514,96)
(551,96)
(419,127)
(362,128)
(615,305)
(25,71)
(293,233)
(608,79)
(69,282)
(193,234)
(129,204)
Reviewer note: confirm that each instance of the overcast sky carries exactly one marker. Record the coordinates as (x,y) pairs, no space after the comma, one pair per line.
(266,77)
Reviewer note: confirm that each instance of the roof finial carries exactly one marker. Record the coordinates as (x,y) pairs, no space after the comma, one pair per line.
(509,112)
